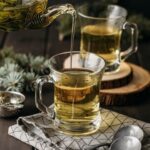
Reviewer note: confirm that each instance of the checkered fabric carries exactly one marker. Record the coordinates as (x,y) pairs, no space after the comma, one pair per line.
(36,130)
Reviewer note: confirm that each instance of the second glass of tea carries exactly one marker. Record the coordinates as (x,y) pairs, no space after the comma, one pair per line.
(101,34)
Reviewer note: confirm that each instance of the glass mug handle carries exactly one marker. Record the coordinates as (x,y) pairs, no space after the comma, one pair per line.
(38,95)
(134,38)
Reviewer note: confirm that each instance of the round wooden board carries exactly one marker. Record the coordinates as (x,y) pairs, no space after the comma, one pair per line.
(130,92)
(117,79)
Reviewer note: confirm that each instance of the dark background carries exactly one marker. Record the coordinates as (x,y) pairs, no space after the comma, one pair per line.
(138,6)
(45,42)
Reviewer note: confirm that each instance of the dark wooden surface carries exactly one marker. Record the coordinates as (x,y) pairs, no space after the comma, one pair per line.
(35,42)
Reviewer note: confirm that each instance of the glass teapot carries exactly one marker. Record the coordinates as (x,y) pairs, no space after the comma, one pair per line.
(29,14)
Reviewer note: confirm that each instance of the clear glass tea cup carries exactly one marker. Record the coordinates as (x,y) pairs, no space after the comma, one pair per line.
(76,78)
(102,34)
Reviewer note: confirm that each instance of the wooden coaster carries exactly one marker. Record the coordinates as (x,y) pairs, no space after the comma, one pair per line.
(129,93)
(117,79)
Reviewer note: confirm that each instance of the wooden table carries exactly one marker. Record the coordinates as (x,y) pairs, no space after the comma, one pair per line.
(42,42)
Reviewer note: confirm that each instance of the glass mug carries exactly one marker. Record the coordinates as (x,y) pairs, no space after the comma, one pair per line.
(101,35)
(76,80)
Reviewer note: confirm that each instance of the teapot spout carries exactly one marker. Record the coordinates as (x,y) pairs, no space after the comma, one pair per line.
(58,10)
(50,15)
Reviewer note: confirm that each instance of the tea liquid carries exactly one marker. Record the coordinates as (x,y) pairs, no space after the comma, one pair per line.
(102,40)
(77,97)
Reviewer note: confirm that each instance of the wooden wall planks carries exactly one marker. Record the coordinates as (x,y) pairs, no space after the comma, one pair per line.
(30,41)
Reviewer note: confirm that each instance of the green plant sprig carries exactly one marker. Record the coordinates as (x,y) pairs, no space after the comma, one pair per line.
(18,72)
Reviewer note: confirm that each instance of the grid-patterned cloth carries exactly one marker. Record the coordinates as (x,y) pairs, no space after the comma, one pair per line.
(34,131)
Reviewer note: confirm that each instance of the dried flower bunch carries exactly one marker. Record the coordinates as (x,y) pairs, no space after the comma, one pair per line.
(19,71)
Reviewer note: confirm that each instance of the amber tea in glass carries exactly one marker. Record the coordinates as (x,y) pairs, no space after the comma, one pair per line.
(102,40)
(76,97)
(102,34)
(76,92)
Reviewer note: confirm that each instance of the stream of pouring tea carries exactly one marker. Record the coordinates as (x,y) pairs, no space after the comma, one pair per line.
(74,16)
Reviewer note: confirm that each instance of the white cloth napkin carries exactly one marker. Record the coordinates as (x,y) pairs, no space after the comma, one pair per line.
(36,130)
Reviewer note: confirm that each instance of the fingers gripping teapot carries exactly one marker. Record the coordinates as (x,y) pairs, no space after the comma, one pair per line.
(29,14)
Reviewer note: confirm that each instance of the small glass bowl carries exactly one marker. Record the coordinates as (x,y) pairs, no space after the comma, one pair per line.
(10,103)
